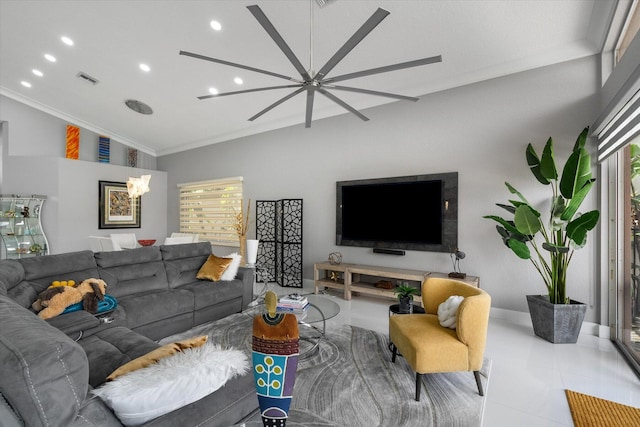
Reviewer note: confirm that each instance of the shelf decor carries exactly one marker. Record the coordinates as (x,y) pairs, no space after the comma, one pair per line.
(104,149)
(73,142)
(21,233)
(116,208)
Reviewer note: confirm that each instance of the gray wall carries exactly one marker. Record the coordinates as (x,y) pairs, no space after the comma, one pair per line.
(480,131)
(33,149)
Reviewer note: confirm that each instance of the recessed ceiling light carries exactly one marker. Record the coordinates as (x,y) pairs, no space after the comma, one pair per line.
(49,57)
(238,80)
(215,25)
(37,72)
(213,91)
(66,40)
(25,84)
(145,68)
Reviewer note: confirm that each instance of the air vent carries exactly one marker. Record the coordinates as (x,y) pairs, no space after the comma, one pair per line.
(138,106)
(87,78)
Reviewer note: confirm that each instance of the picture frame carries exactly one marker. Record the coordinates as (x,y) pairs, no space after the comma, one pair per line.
(115,208)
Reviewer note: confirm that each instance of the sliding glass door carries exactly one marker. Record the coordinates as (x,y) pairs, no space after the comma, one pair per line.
(627,334)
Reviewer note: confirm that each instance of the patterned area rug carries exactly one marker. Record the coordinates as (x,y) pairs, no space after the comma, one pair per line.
(349,380)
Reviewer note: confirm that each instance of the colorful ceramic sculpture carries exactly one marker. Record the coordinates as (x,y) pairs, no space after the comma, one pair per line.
(275,360)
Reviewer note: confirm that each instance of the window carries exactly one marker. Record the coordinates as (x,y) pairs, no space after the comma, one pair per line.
(210,209)
(629,31)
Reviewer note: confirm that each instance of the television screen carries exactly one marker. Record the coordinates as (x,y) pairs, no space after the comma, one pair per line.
(414,212)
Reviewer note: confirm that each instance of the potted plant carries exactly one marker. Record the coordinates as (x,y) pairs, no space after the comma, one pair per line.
(554,240)
(405,295)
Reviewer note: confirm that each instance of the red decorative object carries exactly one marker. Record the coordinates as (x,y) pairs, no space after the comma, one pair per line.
(148,242)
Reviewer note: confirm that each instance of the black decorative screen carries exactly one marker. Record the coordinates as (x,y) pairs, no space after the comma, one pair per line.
(279,229)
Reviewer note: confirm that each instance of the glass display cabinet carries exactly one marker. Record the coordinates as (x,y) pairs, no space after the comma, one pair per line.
(21,230)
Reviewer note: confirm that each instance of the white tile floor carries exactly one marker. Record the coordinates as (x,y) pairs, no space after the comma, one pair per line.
(528,374)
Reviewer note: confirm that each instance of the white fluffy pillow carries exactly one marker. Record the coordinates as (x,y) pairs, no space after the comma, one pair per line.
(172,383)
(232,269)
(448,311)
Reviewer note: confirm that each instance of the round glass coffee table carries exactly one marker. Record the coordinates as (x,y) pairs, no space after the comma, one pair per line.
(313,322)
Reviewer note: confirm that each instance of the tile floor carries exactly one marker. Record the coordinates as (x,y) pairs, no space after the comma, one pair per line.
(528,374)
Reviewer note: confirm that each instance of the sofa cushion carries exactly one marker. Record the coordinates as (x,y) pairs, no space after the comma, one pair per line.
(132,271)
(208,294)
(142,309)
(44,372)
(43,270)
(111,348)
(12,283)
(182,262)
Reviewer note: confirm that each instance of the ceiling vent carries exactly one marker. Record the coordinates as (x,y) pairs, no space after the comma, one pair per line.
(87,78)
(138,106)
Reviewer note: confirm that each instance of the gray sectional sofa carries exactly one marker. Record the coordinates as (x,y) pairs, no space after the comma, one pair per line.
(49,367)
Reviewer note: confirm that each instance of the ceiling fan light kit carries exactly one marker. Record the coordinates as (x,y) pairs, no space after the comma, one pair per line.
(318,82)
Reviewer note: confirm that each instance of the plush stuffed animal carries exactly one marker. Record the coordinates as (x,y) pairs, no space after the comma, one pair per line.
(53,300)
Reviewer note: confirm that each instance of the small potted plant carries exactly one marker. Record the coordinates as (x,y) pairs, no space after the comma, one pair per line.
(405,295)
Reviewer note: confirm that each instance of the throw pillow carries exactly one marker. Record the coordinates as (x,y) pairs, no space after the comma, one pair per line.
(448,311)
(171,383)
(156,355)
(213,268)
(232,270)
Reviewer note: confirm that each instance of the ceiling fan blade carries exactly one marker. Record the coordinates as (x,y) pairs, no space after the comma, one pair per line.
(400,66)
(278,102)
(373,92)
(284,47)
(342,104)
(310,94)
(233,64)
(237,92)
(356,38)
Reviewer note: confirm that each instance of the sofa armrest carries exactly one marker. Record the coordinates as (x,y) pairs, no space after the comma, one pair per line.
(472,324)
(74,323)
(41,367)
(247,276)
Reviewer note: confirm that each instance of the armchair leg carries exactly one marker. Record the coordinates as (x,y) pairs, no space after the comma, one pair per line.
(478,382)
(418,385)
(395,353)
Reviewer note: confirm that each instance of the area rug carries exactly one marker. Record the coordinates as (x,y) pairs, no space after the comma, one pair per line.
(349,380)
(588,411)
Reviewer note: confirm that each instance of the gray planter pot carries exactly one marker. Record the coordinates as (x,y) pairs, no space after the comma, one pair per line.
(406,305)
(556,323)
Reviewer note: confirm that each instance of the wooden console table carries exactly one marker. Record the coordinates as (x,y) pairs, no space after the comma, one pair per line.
(356,278)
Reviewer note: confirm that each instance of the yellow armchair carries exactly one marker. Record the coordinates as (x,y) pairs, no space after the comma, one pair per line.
(429,347)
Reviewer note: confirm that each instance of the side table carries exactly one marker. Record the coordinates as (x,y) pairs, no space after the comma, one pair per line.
(395,310)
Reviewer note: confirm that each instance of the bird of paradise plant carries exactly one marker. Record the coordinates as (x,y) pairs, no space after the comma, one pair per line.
(553,241)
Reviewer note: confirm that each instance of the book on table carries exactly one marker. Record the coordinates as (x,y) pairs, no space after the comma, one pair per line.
(294,310)
(293,301)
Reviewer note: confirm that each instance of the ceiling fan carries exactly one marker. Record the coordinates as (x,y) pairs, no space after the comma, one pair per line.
(318,82)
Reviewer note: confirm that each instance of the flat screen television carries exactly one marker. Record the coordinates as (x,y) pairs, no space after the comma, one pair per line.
(418,212)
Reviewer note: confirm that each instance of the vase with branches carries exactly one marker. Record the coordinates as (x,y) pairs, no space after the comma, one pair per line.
(241,226)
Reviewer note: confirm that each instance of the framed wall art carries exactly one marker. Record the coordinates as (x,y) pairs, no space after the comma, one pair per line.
(116,208)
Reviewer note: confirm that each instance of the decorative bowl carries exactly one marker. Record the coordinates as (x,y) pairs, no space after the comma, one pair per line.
(147,242)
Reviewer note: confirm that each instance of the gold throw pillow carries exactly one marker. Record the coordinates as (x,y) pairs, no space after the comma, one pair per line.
(213,268)
(155,355)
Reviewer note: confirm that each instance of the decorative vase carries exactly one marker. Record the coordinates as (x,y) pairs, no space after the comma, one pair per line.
(275,353)
(243,250)
(406,304)
(252,251)
(556,323)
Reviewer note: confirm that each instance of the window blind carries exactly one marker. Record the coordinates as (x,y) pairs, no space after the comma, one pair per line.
(210,209)
(621,129)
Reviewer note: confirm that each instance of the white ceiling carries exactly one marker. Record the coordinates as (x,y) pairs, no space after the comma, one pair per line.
(478,40)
